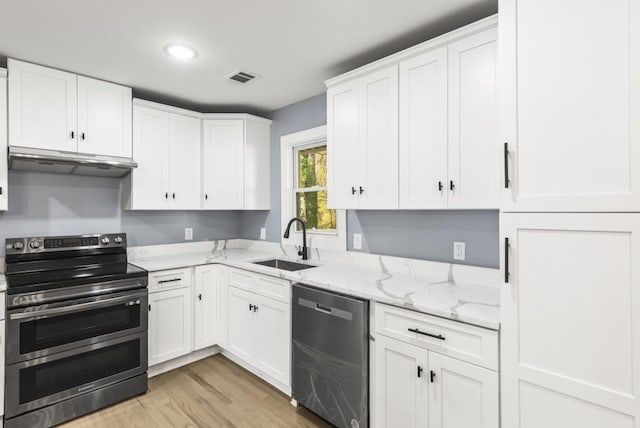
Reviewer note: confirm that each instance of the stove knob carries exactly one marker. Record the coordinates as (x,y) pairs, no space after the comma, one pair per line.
(34,244)
(117,240)
(18,245)
(105,240)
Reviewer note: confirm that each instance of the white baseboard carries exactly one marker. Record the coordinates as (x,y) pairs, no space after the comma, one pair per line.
(286,389)
(207,352)
(182,361)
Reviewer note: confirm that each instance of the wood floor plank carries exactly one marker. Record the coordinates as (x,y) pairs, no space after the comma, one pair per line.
(211,393)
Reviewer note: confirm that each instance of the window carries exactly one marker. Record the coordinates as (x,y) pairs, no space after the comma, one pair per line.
(304,191)
(311,190)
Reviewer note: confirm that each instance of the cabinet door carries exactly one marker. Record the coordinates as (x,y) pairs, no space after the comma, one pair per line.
(3,145)
(184,162)
(401,384)
(462,395)
(343,136)
(570,331)
(257,165)
(104,118)
(42,107)
(273,339)
(2,367)
(170,324)
(223,305)
(206,322)
(150,180)
(378,153)
(571,103)
(223,164)
(423,131)
(474,175)
(240,323)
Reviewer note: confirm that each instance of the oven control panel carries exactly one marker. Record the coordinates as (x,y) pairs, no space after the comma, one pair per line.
(65,243)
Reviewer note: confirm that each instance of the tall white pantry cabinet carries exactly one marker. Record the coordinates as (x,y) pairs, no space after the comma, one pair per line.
(569,130)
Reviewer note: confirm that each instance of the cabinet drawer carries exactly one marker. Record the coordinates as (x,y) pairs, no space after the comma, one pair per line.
(169,279)
(261,284)
(465,342)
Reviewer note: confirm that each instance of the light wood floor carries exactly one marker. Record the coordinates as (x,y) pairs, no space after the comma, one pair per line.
(213,392)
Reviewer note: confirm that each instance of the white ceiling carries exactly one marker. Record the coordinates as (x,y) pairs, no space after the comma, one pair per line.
(295,45)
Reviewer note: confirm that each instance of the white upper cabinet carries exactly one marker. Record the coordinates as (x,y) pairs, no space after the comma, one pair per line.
(184,162)
(570,103)
(104,118)
(187,163)
(570,339)
(473,160)
(235,162)
(3,143)
(343,127)
(55,110)
(423,131)
(362,142)
(223,164)
(378,154)
(418,129)
(145,188)
(43,111)
(166,146)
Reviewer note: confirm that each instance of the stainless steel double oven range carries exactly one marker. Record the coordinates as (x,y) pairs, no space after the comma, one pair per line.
(76,329)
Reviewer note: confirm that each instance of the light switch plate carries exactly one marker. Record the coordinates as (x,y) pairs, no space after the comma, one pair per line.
(188,233)
(357,241)
(458,250)
(263,233)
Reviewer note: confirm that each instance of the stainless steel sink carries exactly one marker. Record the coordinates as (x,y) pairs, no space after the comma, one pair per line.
(284,264)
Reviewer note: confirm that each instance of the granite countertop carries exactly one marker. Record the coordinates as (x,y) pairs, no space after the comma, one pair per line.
(462,293)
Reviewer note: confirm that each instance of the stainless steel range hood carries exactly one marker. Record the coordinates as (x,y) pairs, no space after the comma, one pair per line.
(27,159)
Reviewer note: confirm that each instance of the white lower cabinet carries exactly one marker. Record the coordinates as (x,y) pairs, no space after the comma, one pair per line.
(462,395)
(244,313)
(415,386)
(570,344)
(241,323)
(206,323)
(2,348)
(273,339)
(259,333)
(170,318)
(402,388)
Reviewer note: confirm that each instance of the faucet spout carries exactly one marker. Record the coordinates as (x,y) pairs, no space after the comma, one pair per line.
(304,250)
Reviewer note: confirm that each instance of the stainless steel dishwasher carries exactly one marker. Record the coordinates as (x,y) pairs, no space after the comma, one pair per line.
(330,361)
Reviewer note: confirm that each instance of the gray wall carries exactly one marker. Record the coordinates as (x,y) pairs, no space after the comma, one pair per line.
(428,235)
(306,114)
(425,235)
(58,204)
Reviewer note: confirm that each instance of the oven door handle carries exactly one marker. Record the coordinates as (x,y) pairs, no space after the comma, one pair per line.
(128,300)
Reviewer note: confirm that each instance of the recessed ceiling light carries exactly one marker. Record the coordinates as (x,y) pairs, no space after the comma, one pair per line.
(181,52)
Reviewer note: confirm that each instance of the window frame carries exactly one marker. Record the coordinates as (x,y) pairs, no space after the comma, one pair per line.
(289,146)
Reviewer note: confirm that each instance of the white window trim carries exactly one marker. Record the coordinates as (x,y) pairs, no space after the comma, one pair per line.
(326,240)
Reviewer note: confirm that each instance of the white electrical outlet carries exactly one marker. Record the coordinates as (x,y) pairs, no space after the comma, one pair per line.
(357,241)
(188,233)
(458,250)
(263,233)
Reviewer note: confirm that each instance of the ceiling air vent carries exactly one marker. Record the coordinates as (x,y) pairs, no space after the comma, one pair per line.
(242,77)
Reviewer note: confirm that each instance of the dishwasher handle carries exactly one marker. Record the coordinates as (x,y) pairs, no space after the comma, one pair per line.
(324,309)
